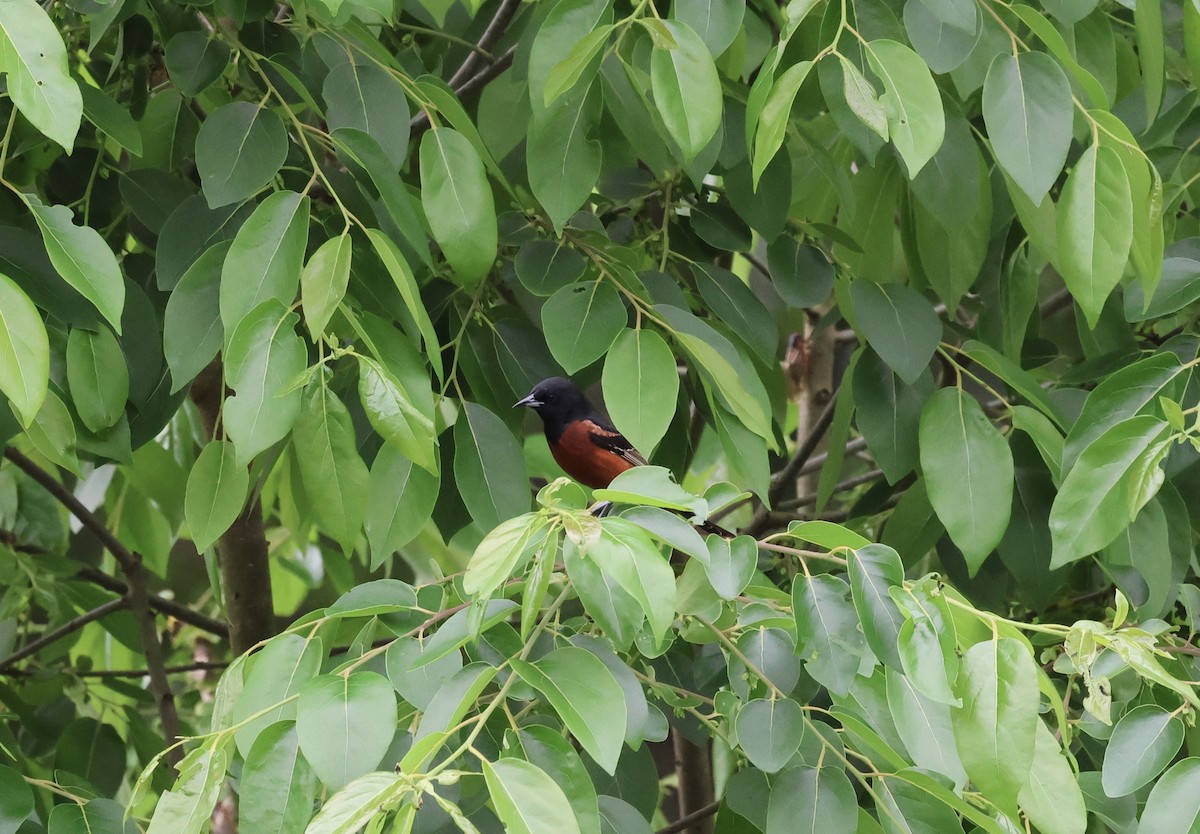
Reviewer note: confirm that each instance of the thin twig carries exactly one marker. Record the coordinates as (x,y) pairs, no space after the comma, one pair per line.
(162,605)
(491,36)
(420,122)
(844,486)
(685,822)
(199,666)
(69,627)
(804,451)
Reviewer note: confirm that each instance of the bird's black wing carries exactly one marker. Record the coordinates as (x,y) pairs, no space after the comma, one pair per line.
(611,440)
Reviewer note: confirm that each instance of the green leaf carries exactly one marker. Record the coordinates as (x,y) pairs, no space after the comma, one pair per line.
(395,416)
(996,726)
(567,73)
(618,612)
(725,370)
(556,757)
(458,202)
(1028,110)
(501,553)
(968,471)
(111,118)
(737,305)
(872,570)
(216,492)
(1057,45)
(1173,806)
(195,60)
(81,257)
(1111,481)
(924,726)
(34,62)
(827,631)
(626,553)
(1148,23)
(717,22)
(651,486)
(403,278)
(527,800)
(278,786)
(1052,798)
(942,45)
(773,120)
(800,273)
(334,475)
(276,674)
(186,808)
(545,266)
(262,360)
(863,98)
(343,724)
(826,534)
(1095,229)
(400,499)
(16,798)
(488,467)
(564,27)
(581,321)
(369,98)
(563,159)
(25,352)
(348,810)
(419,684)
(266,257)
(916,121)
(889,413)
(98,816)
(192,330)
(769,732)
(810,800)
(641,385)
(731,564)
(586,697)
(687,90)
(239,149)
(1143,742)
(323,282)
(899,325)
(97,376)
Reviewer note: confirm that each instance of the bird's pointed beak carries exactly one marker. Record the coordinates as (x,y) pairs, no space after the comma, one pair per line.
(530,401)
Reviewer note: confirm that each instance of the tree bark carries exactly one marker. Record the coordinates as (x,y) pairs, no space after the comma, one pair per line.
(695,782)
(242,550)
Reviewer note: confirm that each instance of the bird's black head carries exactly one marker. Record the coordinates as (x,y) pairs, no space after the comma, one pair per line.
(557,401)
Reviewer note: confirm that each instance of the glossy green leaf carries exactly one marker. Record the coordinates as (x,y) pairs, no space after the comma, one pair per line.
(1095,229)
(916,121)
(737,305)
(278,785)
(349,809)
(925,727)
(34,62)
(323,282)
(563,158)
(395,415)
(187,807)
(195,60)
(1143,742)
(419,685)
(239,149)
(1173,806)
(82,258)
(641,384)
(557,758)
(904,808)
(899,324)
(773,120)
(369,98)
(731,564)
(262,360)
(581,321)
(1051,797)
(889,413)
(769,732)
(403,278)
(1113,478)
(626,553)
(586,697)
(1028,110)
(872,570)
(501,553)
(192,329)
(527,800)
(1148,23)
(16,798)
(334,475)
(271,685)
(827,631)
(24,352)
(968,470)
(266,257)
(687,89)
(458,202)
(810,800)
(111,118)
(996,726)
(216,492)
(488,467)
(98,377)
(343,723)
(400,499)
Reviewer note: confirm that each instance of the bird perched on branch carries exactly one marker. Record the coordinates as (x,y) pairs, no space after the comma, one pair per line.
(585,444)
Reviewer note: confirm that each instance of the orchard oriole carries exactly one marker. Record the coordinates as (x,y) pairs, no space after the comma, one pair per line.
(585,444)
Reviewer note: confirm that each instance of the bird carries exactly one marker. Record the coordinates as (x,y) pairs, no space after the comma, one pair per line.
(585,444)
(582,441)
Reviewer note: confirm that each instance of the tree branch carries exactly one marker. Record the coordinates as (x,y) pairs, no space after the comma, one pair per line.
(491,36)
(683,822)
(136,595)
(162,605)
(420,122)
(69,627)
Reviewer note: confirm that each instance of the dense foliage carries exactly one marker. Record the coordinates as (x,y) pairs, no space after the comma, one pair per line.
(272,275)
